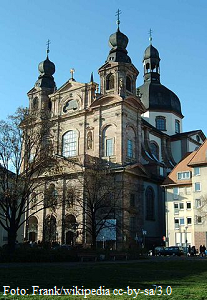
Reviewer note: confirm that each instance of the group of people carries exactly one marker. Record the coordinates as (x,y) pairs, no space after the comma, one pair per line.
(193,251)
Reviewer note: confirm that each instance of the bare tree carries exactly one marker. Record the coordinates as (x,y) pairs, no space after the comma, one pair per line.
(96,195)
(25,153)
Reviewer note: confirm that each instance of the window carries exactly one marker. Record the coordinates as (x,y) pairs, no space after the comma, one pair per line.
(35,103)
(109,147)
(128,84)
(176,208)
(196,171)
(109,82)
(197,186)
(70,144)
(132,200)
(181,205)
(183,175)
(150,198)
(130,148)
(160,123)
(177,126)
(199,220)
(188,205)
(154,150)
(175,192)
(198,203)
(182,221)
(189,221)
(176,223)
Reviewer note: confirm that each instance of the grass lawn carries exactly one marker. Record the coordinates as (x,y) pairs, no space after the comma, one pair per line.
(187,278)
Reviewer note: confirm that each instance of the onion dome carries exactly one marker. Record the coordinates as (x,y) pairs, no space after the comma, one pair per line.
(46,70)
(118,40)
(151,52)
(118,43)
(46,67)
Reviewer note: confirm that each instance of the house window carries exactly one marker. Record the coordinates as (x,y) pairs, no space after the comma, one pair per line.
(175,192)
(196,171)
(177,126)
(199,220)
(150,198)
(188,205)
(132,200)
(197,186)
(128,84)
(182,221)
(160,123)
(130,148)
(181,205)
(176,223)
(154,150)
(197,203)
(110,82)
(109,147)
(189,221)
(183,175)
(69,144)
(176,208)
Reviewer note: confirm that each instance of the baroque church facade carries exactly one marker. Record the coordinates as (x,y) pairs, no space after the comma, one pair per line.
(138,131)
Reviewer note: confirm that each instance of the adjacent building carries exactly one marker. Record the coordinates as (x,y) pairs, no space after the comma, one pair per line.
(186,200)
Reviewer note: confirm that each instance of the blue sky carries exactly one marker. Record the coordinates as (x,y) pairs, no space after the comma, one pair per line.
(79,32)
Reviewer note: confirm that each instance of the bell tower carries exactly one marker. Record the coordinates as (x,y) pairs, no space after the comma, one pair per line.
(39,101)
(118,75)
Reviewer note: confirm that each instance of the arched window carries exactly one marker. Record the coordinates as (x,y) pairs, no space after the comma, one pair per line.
(50,229)
(128,84)
(70,229)
(109,141)
(110,82)
(154,149)
(130,142)
(177,126)
(160,123)
(69,144)
(33,228)
(35,103)
(150,203)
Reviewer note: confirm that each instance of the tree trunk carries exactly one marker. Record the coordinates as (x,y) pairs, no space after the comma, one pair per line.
(12,235)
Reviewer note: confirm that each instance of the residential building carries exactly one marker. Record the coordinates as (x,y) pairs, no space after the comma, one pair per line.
(186,200)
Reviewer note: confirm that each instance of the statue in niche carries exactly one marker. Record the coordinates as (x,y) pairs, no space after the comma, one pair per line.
(89,140)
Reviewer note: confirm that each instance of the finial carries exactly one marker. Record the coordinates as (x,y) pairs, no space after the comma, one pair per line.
(92,77)
(150,36)
(72,71)
(48,46)
(118,19)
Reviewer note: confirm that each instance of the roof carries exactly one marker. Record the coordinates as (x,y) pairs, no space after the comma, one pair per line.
(200,158)
(182,166)
(157,97)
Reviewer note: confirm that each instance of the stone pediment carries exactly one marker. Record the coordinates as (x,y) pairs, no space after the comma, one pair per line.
(137,169)
(69,86)
(136,103)
(106,100)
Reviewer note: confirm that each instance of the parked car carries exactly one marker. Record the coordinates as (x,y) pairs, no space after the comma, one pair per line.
(174,250)
(159,250)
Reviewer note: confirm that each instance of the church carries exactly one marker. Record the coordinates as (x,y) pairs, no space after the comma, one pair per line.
(136,130)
